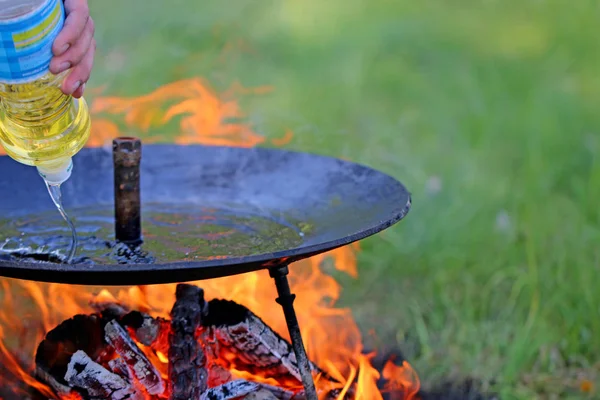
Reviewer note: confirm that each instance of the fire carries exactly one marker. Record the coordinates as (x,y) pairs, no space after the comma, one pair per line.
(332,337)
(204,115)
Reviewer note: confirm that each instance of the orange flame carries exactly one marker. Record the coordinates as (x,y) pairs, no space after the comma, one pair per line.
(400,379)
(332,337)
(206,118)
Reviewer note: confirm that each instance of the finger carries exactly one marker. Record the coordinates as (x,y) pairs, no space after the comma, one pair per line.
(77,15)
(79,92)
(80,74)
(75,53)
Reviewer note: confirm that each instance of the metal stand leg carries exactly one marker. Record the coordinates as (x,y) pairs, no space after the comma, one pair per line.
(286,300)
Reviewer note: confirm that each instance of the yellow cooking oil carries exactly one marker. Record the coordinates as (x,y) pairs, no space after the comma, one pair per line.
(40,126)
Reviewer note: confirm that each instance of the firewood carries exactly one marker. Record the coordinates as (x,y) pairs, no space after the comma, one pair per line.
(119,367)
(62,389)
(261,395)
(283,394)
(142,368)
(241,387)
(203,342)
(231,390)
(95,380)
(217,375)
(187,362)
(109,310)
(255,346)
(146,329)
(81,332)
(150,331)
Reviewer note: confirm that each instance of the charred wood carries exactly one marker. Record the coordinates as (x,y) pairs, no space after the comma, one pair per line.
(240,388)
(257,348)
(82,332)
(187,362)
(109,310)
(281,393)
(120,367)
(141,367)
(217,375)
(203,340)
(149,331)
(146,329)
(231,390)
(152,332)
(261,395)
(96,381)
(60,388)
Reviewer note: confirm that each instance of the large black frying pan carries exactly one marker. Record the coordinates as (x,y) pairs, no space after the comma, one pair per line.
(322,202)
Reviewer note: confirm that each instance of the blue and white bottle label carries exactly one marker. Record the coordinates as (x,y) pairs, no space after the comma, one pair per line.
(26,42)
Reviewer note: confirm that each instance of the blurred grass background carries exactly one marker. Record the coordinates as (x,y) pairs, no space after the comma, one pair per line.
(486,110)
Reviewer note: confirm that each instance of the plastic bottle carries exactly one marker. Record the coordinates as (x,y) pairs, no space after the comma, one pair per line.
(39,125)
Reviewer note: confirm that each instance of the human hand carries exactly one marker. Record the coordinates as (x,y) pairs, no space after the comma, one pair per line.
(74,48)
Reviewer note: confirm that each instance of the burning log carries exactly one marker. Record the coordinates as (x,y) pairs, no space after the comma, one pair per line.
(149,331)
(109,310)
(187,361)
(98,382)
(82,332)
(261,395)
(142,368)
(240,387)
(60,388)
(281,393)
(119,367)
(217,375)
(231,390)
(204,341)
(257,348)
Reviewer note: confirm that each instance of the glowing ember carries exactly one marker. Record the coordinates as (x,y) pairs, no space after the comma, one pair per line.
(332,338)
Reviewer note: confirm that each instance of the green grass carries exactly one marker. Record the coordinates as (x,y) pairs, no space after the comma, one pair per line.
(486,110)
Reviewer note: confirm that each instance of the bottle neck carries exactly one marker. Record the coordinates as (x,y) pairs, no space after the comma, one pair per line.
(56,173)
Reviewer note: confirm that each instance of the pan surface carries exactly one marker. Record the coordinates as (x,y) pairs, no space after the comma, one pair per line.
(207,212)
